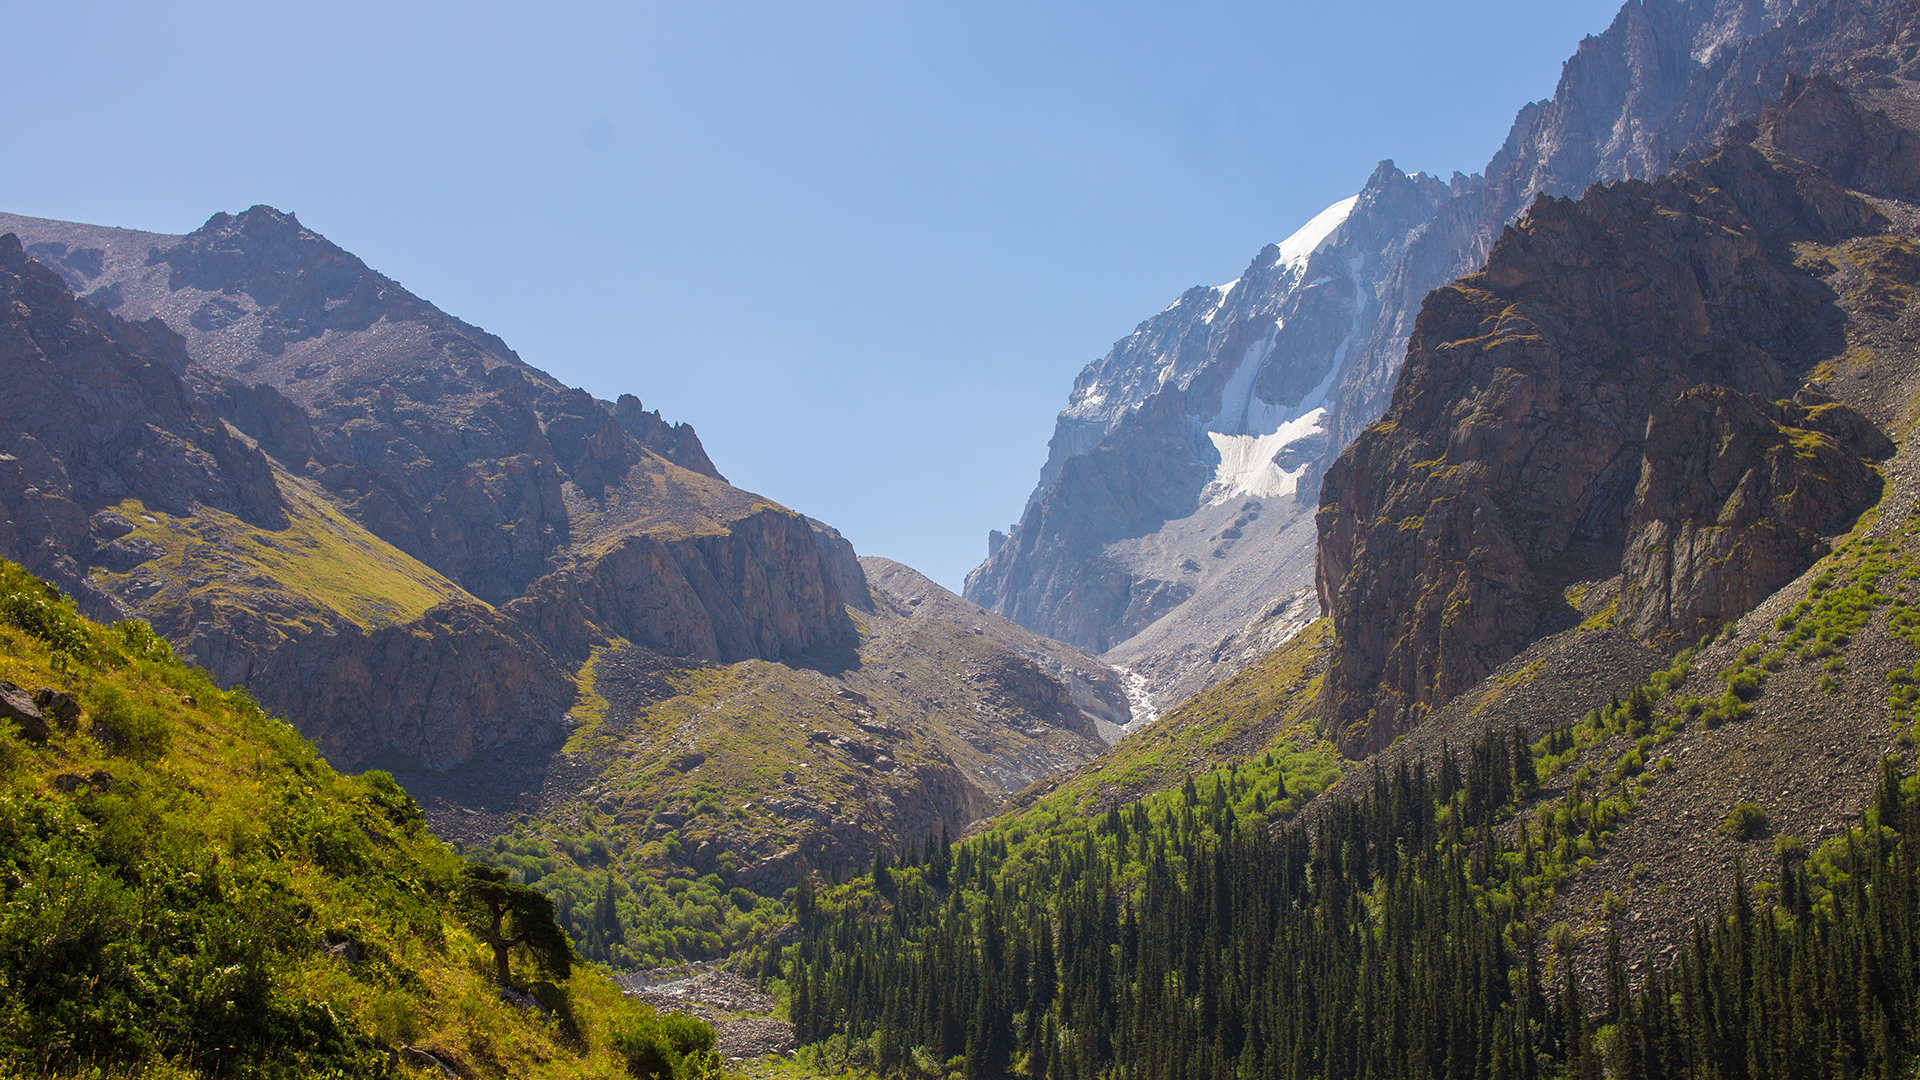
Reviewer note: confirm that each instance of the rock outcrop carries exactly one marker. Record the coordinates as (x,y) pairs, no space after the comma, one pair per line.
(1544,398)
(1660,85)
(380,441)
(757,590)
(1736,498)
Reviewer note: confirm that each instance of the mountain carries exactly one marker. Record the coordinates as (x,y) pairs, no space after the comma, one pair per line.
(1172,473)
(1626,421)
(539,609)
(1169,520)
(1622,663)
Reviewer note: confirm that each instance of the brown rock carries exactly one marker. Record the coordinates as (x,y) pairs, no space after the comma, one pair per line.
(59,706)
(17,705)
(1517,429)
(1734,498)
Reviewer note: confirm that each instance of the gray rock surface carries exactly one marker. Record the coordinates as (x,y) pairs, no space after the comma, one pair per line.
(17,706)
(1126,466)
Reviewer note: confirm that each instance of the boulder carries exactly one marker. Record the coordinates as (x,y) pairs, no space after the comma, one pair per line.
(58,706)
(17,705)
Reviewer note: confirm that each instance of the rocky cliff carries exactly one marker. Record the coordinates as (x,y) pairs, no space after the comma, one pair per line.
(1605,392)
(535,521)
(437,560)
(1662,82)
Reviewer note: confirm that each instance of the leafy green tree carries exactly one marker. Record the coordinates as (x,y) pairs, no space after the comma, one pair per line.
(513,914)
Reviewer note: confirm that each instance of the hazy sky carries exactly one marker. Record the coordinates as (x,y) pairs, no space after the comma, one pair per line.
(863,248)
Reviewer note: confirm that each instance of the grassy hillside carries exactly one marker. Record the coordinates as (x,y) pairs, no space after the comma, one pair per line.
(190,890)
(323,566)
(1266,706)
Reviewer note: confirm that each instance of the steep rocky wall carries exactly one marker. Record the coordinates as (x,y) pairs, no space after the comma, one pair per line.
(95,409)
(762,588)
(434,692)
(1736,497)
(1518,428)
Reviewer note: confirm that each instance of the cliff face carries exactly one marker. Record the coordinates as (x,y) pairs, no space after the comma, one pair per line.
(1218,401)
(758,589)
(1736,497)
(1659,85)
(419,538)
(1552,405)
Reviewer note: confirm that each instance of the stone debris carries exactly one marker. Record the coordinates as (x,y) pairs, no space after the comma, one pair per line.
(718,997)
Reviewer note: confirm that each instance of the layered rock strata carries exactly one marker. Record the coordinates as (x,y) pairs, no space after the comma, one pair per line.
(1555,401)
(1658,86)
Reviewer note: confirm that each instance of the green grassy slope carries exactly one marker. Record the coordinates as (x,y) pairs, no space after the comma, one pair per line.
(187,889)
(1265,706)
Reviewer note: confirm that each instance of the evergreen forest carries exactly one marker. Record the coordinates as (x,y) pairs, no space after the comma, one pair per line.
(1392,937)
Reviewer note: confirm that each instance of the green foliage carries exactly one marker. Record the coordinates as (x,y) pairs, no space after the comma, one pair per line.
(187,889)
(39,609)
(1395,940)
(141,732)
(1745,821)
(623,913)
(511,915)
(671,1047)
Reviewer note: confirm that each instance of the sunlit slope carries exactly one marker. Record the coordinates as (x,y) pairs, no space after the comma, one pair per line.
(186,882)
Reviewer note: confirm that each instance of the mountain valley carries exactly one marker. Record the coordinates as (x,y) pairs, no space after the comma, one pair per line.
(1482,639)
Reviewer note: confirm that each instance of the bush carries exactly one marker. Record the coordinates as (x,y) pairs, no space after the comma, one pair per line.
(1745,821)
(140,732)
(39,609)
(661,1047)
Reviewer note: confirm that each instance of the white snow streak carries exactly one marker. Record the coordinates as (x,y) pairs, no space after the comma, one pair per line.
(1295,249)
(1246,461)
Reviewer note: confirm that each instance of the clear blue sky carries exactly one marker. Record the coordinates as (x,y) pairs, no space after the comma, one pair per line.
(863,248)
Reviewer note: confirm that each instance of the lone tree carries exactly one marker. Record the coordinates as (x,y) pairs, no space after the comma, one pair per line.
(517,915)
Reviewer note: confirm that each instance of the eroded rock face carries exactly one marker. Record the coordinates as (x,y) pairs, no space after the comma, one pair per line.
(1735,499)
(577,520)
(1522,421)
(760,589)
(95,409)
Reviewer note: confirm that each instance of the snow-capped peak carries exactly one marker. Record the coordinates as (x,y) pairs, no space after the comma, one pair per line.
(1295,249)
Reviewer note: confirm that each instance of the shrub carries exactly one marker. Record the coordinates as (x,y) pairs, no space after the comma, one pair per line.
(137,731)
(660,1047)
(1745,821)
(41,610)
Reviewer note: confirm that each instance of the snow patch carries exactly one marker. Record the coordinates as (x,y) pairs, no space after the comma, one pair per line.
(1221,292)
(1139,699)
(1295,249)
(1246,461)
